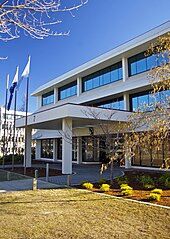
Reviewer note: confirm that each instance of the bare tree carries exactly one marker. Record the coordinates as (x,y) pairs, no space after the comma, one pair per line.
(111,137)
(35,18)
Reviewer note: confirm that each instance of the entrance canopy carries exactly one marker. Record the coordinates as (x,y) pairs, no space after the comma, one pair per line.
(82,116)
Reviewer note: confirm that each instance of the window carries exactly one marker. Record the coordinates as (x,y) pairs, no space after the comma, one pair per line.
(141,63)
(102,77)
(47,148)
(67,90)
(48,98)
(144,99)
(117,104)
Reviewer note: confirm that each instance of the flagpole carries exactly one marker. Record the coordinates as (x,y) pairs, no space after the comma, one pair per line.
(4,142)
(13,152)
(26,123)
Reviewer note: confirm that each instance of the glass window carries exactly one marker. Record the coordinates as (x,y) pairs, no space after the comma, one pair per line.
(151,62)
(141,62)
(48,98)
(144,99)
(102,77)
(117,104)
(47,148)
(67,90)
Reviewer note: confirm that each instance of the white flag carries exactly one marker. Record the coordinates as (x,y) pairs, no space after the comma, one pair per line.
(26,71)
(7,82)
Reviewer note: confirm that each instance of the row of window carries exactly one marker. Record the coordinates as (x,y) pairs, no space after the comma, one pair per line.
(102,77)
(141,62)
(145,101)
(136,64)
(116,104)
(67,90)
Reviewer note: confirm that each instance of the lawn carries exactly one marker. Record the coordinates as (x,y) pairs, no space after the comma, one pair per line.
(74,213)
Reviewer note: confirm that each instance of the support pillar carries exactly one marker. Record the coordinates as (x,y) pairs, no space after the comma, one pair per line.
(125,68)
(55,150)
(79,150)
(38,149)
(126,101)
(79,86)
(67,146)
(27,155)
(55,95)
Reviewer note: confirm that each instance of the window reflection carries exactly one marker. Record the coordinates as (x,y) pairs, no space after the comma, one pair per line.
(67,90)
(141,63)
(146,101)
(102,77)
(48,98)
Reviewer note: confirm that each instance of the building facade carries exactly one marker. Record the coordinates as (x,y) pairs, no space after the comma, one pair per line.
(71,107)
(8,130)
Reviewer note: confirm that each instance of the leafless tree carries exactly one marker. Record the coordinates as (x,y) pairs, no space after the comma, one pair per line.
(35,18)
(111,136)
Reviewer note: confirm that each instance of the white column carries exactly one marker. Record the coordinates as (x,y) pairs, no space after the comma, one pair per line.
(79,86)
(28,147)
(125,68)
(67,146)
(79,150)
(55,149)
(38,149)
(126,101)
(39,103)
(55,95)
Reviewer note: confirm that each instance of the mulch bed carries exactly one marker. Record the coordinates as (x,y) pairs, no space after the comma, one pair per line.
(139,193)
(31,171)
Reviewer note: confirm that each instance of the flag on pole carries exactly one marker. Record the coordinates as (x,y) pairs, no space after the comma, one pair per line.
(12,88)
(25,72)
(7,82)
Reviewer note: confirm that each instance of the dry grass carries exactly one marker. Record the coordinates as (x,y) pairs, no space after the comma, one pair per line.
(73,213)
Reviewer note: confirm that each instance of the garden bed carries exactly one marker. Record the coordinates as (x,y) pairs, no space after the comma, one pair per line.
(140,193)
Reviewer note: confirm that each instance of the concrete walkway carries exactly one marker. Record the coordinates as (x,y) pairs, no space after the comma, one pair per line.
(90,173)
(24,184)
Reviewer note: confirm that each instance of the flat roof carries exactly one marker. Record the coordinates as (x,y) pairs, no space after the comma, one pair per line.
(85,68)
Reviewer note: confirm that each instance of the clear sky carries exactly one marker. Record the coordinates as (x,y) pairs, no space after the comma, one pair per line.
(97,27)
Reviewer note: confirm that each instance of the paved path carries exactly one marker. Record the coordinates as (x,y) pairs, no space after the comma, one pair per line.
(90,173)
(25,184)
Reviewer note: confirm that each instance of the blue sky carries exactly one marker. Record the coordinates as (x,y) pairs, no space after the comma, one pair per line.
(97,27)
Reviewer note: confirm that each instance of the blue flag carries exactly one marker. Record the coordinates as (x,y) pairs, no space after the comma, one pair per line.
(12,88)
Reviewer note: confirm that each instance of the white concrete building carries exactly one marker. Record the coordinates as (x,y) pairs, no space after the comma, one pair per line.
(9,132)
(113,82)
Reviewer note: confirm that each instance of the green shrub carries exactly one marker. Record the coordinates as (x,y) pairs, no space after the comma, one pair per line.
(154,196)
(101,181)
(127,192)
(157,190)
(164,177)
(148,186)
(167,182)
(87,185)
(122,180)
(105,187)
(146,180)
